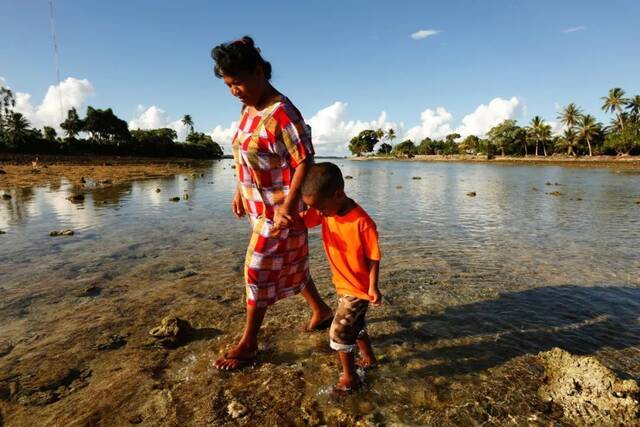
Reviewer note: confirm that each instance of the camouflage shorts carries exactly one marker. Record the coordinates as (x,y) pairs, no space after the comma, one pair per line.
(348,323)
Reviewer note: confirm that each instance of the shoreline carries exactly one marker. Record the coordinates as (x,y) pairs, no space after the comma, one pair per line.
(19,172)
(594,161)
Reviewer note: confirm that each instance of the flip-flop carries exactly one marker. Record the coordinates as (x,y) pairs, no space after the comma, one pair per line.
(324,324)
(242,362)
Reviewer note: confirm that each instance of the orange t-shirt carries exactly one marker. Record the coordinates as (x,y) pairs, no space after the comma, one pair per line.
(348,240)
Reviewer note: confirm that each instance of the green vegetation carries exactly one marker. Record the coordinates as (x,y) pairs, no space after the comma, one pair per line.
(104,133)
(582,135)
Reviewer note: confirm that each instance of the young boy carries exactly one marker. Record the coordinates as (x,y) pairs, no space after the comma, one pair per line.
(350,241)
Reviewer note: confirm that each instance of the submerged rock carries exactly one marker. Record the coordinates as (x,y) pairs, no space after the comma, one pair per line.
(348,177)
(75,198)
(471,194)
(535,189)
(56,233)
(172,331)
(158,190)
(174,199)
(555,193)
(236,409)
(417,177)
(588,392)
(112,342)
(3,232)
(6,196)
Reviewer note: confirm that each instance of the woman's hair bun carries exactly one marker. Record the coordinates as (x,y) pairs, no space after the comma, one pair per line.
(238,56)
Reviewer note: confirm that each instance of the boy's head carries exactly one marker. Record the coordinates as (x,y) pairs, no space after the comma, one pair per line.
(323,188)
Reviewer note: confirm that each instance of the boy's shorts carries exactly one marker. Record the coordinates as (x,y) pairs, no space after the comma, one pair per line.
(348,323)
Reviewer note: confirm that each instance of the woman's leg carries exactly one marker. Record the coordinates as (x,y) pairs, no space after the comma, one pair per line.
(321,312)
(248,345)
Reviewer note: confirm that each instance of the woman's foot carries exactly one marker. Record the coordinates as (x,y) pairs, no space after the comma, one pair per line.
(236,358)
(319,321)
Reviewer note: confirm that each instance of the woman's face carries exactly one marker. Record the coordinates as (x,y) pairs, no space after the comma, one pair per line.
(246,86)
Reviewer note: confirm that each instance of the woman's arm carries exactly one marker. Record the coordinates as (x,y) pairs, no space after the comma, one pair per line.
(284,216)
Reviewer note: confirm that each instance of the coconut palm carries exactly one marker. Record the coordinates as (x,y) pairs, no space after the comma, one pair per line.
(534,131)
(614,103)
(391,135)
(16,126)
(188,122)
(633,105)
(570,115)
(588,128)
(544,134)
(569,140)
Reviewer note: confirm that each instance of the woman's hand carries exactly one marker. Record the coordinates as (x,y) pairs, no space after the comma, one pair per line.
(236,205)
(283,217)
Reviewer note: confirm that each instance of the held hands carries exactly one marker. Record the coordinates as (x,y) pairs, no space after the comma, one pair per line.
(236,205)
(375,296)
(283,217)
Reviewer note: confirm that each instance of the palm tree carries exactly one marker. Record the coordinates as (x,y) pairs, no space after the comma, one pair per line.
(569,140)
(391,135)
(588,128)
(615,102)
(16,126)
(633,105)
(188,122)
(535,130)
(544,134)
(570,115)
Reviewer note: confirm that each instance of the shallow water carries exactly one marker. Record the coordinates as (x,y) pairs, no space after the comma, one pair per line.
(475,287)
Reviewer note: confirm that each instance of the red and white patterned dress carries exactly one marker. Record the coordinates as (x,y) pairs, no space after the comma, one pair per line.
(267,148)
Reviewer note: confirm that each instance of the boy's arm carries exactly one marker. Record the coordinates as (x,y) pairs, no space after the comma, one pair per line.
(374,293)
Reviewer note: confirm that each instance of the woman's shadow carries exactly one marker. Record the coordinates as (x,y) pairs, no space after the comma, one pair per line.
(473,337)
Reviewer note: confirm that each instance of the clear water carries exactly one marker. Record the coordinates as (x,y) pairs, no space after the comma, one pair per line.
(474,286)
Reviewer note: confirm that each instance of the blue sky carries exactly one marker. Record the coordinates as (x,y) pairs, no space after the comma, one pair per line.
(342,62)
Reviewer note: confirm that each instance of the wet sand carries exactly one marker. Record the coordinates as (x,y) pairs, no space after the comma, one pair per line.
(19,171)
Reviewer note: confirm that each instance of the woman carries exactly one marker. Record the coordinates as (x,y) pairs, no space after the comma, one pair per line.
(272,150)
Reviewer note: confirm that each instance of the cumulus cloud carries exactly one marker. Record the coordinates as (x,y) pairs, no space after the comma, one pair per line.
(574,29)
(487,116)
(433,124)
(332,131)
(3,81)
(224,135)
(423,34)
(154,118)
(71,92)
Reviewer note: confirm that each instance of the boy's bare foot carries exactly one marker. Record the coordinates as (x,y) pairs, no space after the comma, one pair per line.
(319,321)
(367,363)
(236,358)
(347,384)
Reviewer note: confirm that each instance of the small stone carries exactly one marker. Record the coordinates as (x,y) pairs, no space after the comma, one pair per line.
(158,190)
(57,233)
(348,177)
(90,291)
(186,196)
(547,183)
(535,189)
(112,342)
(417,177)
(3,232)
(556,183)
(82,180)
(471,194)
(76,198)
(174,199)
(233,166)
(236,409)
(6,196)
(398,187)
(638,202)
(555,193)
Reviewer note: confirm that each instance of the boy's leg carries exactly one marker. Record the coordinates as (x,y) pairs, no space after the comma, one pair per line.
(367,358)
(321,312)
(349,378)
(248,345)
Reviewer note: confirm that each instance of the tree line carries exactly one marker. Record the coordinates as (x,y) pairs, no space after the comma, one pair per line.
(582,135)
(99,132)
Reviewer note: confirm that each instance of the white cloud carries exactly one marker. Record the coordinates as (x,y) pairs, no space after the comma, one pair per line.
(70,93)
(224,136)
(487,116)
(423,34)
(574,29)
(3,81)
(154,118)
(331,131)
(433,124)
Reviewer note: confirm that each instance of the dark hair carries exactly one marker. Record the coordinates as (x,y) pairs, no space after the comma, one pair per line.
(324,179)
(237,56)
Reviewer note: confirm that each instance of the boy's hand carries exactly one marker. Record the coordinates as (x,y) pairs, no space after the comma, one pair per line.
(375,297)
